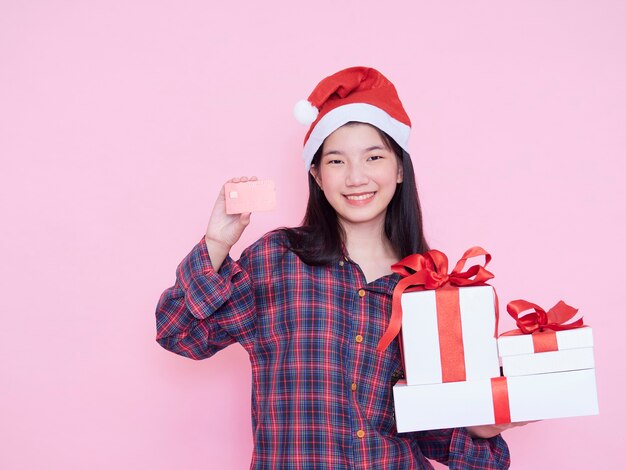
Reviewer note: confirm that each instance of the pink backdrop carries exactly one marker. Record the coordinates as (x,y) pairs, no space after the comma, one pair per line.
(119,120)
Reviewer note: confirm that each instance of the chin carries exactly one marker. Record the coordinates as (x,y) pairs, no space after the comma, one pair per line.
(362,218)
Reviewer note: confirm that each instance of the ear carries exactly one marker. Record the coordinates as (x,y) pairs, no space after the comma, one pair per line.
(400,177)
(316,174)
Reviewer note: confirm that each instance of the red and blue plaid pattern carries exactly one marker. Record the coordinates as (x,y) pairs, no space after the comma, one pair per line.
(322,394)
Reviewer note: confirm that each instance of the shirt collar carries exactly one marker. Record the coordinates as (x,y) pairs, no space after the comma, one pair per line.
(384,285)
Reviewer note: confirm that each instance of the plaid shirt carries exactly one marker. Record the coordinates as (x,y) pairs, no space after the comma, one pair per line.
(322,394)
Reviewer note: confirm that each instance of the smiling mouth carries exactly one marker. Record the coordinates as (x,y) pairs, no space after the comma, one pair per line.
(360,197)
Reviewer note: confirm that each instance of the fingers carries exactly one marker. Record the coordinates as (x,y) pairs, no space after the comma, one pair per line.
(242,179)
(504,427)
(524,423)
(238,179)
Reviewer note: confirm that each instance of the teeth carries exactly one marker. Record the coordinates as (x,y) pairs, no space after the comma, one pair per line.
(360,198)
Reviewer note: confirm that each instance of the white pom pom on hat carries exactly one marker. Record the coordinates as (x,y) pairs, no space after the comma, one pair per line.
(305,112)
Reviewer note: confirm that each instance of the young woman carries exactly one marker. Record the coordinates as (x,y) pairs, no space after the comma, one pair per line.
(309,304)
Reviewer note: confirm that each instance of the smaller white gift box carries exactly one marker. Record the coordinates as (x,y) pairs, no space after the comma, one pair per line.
(486,401)
(426,340)
(573,350)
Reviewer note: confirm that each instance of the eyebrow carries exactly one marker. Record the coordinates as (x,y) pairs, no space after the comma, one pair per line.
(368,149)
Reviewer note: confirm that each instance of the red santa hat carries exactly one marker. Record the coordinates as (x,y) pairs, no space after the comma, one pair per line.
(358,94)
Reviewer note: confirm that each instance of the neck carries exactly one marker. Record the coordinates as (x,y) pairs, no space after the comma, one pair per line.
(368,241)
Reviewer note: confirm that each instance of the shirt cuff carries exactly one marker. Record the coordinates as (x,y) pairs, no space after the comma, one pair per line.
(465,450)
(206,290)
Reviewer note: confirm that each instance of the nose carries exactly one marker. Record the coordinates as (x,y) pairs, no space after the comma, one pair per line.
(356,175)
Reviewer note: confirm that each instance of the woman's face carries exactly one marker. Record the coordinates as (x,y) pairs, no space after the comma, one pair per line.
(358,173)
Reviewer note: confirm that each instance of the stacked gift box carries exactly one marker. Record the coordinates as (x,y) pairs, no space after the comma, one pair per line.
(452,353)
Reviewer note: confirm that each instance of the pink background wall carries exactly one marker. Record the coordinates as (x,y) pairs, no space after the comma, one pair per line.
(119,120)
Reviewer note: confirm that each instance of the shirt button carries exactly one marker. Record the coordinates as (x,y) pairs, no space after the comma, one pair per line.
(353,387)
(359,339)
(361,293)
(341,263)
(360,433)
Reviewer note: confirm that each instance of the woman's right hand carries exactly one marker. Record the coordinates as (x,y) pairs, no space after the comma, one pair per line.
(224,230)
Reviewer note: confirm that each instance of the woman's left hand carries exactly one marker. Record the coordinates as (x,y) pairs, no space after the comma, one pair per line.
(491,430)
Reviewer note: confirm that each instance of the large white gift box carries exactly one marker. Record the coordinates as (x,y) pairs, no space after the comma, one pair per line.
(525,354)
(432,353)
(502,400)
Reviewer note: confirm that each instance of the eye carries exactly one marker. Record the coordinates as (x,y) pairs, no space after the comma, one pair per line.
(334,162)
(375,157)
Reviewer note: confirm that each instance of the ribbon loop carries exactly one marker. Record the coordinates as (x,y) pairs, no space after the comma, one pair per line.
(539,320)
(472,253)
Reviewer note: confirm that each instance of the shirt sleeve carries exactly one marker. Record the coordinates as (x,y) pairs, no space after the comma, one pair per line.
(457,449)
(205,310)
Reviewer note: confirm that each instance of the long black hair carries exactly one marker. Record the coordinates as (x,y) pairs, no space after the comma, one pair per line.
(320,238)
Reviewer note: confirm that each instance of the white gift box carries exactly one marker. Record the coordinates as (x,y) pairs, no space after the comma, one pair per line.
(575,352)
(530,397)
(421,342)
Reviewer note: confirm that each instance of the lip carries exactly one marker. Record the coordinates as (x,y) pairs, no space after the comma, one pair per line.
(360,202)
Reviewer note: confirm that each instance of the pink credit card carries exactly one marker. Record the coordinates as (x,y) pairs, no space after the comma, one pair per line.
(250,196)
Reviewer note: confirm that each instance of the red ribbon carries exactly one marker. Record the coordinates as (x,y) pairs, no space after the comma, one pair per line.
(540,324)
(450,332)
(430,271)
(500,395)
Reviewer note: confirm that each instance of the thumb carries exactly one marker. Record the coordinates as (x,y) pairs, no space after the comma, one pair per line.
(244,219)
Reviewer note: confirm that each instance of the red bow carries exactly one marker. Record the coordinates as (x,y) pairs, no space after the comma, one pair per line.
(427,272)
(539,320)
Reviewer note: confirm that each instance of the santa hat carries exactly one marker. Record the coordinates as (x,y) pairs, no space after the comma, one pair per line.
(358,94)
